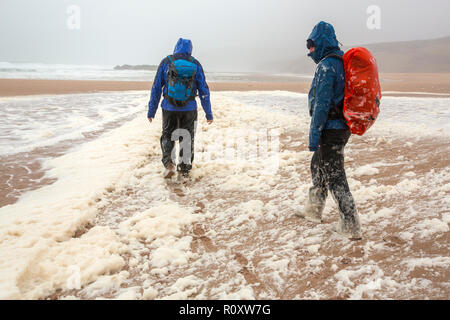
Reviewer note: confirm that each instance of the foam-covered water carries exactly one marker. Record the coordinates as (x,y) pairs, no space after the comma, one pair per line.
(38,121)
(36,128)
(398,114)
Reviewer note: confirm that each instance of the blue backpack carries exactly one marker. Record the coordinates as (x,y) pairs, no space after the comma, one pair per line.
(181,86)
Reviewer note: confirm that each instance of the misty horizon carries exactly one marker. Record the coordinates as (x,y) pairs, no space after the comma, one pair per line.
(226,36)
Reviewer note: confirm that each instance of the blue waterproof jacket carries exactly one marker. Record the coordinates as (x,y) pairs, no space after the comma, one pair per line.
(183,49)
(327,87)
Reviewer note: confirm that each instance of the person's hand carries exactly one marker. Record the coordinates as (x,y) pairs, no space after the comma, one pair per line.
(150,120)
(209,121)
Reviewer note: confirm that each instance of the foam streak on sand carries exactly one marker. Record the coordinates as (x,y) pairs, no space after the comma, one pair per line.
(49,217)
(36,128)
(231,233)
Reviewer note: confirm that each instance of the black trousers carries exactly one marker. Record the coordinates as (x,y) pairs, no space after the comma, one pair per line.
(178,126)
(328,173)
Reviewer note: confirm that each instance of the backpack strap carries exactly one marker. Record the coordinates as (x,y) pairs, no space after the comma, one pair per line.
(333,55)
(190,58)
(172,58)
(337,110)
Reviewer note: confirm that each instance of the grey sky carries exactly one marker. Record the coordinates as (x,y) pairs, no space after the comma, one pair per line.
(226,34)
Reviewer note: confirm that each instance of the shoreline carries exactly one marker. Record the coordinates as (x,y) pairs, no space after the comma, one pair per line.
(28,87)
(400,85)
(226,223)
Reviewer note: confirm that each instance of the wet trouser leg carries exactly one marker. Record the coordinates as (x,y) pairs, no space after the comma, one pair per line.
(175,126)
(188,122)
(327,168)
(318,192)
(169,124)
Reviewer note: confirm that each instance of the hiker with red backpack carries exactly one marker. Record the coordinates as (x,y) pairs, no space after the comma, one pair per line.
(332,123)
(179,78)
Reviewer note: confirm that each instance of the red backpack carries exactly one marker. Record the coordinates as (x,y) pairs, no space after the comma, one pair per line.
(362,90)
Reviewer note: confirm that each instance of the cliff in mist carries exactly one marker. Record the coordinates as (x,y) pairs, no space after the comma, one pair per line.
(419,56)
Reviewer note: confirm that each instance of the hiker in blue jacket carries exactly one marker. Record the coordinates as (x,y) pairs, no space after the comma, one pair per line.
(328,133)
(179,114)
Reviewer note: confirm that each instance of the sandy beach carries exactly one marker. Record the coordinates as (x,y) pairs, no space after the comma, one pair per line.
(230,232)
(90,209)
(280,256)
(393,84)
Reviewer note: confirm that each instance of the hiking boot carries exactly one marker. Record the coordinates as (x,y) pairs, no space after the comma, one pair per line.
(311,212)
(169,172)
(313,208)
(184,174)
(349,229)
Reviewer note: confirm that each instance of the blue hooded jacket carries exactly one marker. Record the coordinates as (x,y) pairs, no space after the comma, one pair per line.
(327,87)
(183,49)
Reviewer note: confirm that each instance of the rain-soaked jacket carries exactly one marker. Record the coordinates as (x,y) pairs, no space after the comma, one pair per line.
(183,49)
(327,88)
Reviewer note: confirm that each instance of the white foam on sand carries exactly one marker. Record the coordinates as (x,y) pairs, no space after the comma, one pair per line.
(367,170)
(50,216)
(150,232)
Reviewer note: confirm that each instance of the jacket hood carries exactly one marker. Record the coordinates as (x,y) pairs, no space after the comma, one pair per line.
(325,41)
(183,46)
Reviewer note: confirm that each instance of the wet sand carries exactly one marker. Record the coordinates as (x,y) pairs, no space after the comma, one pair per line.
(403,84)
(23,172)
(390,250)
(390,253)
